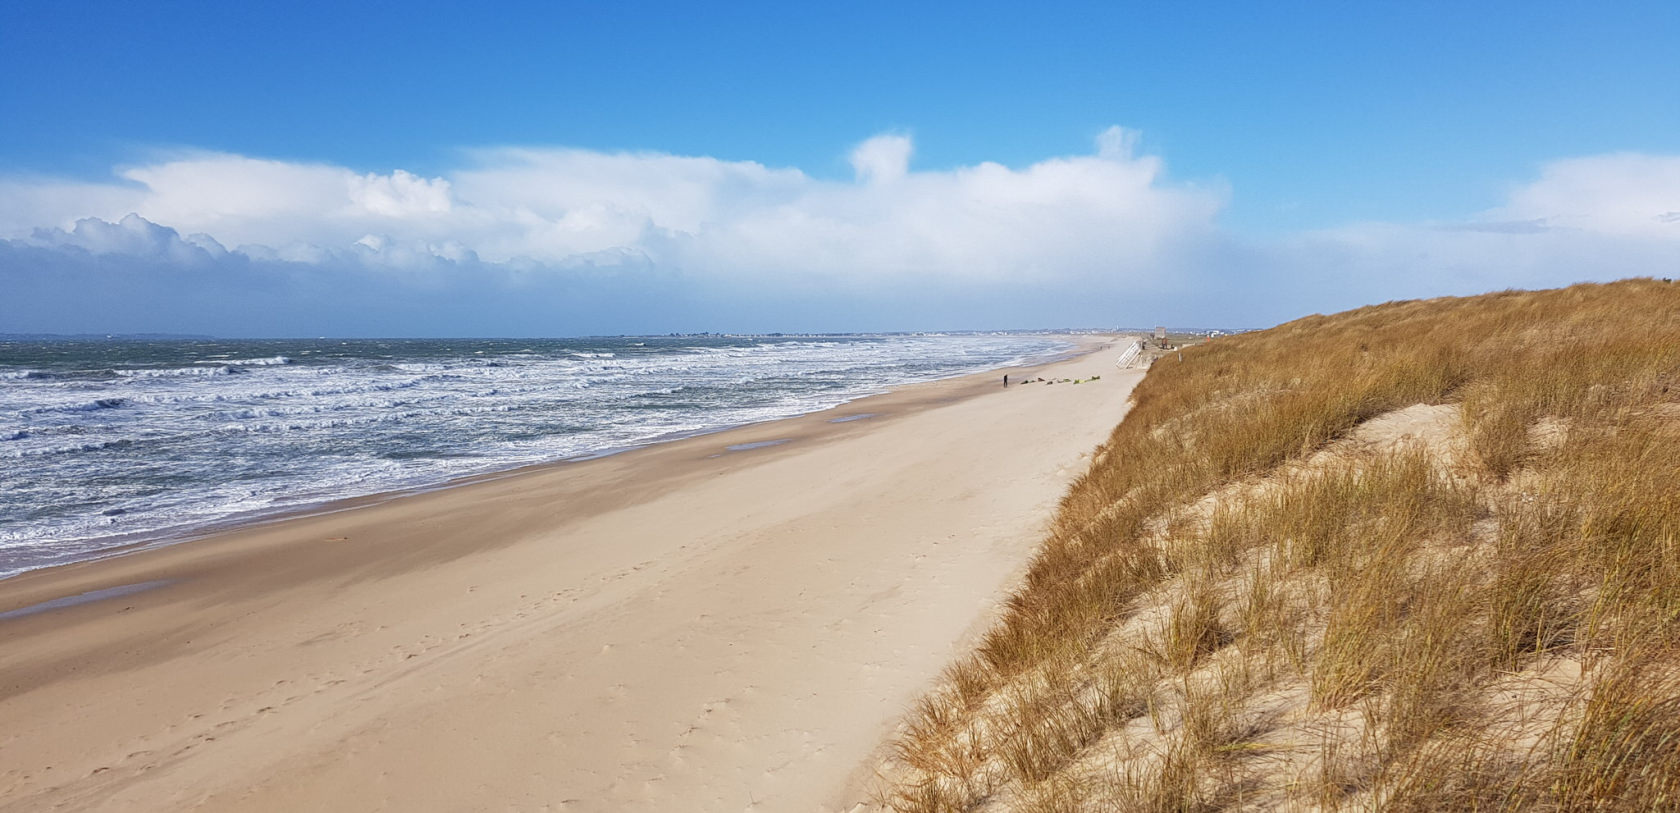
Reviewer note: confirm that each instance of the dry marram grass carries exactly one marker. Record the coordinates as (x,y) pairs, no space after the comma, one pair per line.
(1248,603)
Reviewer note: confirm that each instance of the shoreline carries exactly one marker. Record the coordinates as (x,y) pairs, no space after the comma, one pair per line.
(675,622)
(134,542)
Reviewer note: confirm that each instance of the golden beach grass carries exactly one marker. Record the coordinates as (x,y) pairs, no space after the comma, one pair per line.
(1416,556)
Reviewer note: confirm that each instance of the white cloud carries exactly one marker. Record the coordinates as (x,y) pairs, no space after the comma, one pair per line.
(1118,143)
(1621,194)
(28,203)
(132,236)
(1057,218)
(1080,239)
(882,159)
(399,194)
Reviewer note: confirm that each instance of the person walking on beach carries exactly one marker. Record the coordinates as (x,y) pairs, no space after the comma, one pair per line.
(1006,379)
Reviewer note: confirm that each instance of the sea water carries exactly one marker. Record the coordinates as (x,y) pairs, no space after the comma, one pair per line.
(108,443)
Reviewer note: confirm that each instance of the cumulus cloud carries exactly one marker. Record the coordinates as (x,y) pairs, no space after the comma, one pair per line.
(1057,217)
(134,236)
(882,159)
(607,241)
(399,194)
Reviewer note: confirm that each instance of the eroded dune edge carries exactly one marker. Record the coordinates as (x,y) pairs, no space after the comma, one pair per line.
(1415,556)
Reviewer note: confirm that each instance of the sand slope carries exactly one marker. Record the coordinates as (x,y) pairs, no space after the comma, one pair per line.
(678,628)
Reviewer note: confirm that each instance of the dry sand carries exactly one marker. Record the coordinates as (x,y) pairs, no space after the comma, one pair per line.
(677,628)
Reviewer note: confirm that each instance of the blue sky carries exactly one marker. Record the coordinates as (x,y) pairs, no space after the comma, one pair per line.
(1313,137)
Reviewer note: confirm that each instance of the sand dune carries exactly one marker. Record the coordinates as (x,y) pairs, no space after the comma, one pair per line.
(682,627)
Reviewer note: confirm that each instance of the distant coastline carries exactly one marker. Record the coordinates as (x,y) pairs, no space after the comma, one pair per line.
(105,337)
(1038,331)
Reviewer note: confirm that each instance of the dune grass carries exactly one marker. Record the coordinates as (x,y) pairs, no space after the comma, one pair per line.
(1250,601)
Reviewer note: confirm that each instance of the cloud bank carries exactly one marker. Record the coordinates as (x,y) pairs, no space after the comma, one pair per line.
(543,241)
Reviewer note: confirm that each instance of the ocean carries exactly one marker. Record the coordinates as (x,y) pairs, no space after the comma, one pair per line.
(104,444)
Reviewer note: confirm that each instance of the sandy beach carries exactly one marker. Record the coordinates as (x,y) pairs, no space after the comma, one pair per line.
(728,622)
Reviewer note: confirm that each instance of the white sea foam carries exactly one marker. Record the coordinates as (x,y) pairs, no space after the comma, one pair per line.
(114,447)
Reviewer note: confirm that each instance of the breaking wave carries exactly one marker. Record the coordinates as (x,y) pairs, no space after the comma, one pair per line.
(114,442)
